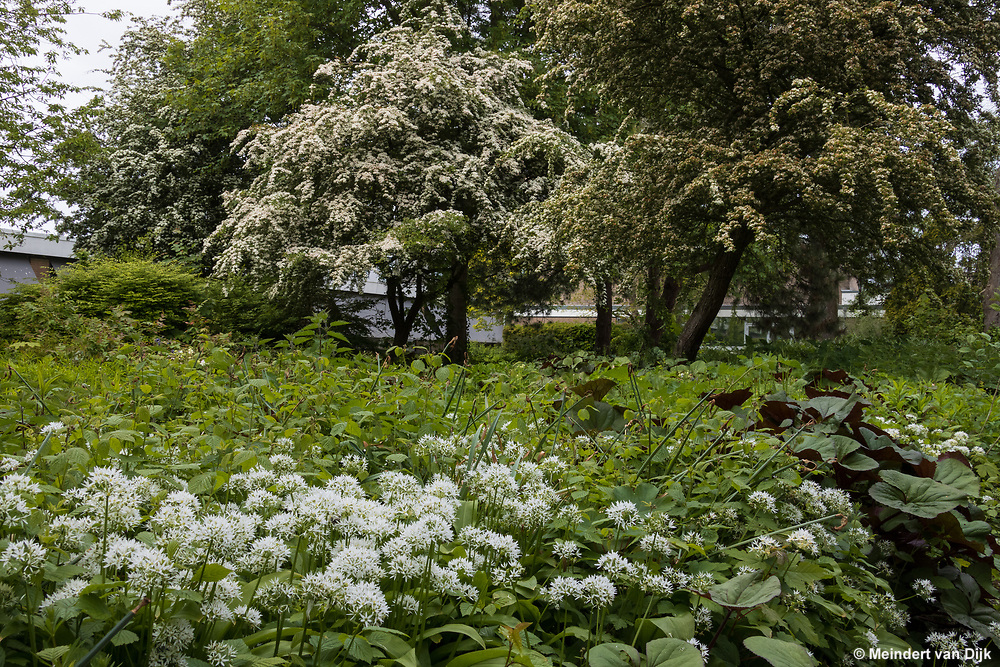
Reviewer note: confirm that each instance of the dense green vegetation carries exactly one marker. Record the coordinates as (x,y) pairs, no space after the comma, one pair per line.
(303,504)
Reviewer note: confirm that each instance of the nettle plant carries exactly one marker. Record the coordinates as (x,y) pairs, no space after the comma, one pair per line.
(209,506)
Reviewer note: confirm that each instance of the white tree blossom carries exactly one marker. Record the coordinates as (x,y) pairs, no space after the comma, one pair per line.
(410,166)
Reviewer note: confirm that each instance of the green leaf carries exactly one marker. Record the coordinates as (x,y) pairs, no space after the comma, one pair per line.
(124,637)
(668,652)
(359,648)
(93,606)
(613,655)
(394,647)
(598,388)
(409,659)
(457,628)
(678,627)
(780,653)
(918,496)
(744,592)
(212,572)
(54,653)
(477,657)
(956,474)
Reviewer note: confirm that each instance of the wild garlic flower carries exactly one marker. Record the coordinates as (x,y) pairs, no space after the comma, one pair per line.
(170,639)
(764,546)
(262,501)
(265,554)
(437,446)
(657,584)
(804,540)
(53,427)
(597,591)
(692,537)
(248,615)
(562,588)
(216,610)
(282,463)
(407,603)
(790,513)
(624,514)
(762,500)
(702,618)
(656,543)
(617,566)
(701,648)
(358,562)
(395,486)
(701,581)
(364,603)
(566,549)
(150,569)
(220,654)
(353,463)
(68,590)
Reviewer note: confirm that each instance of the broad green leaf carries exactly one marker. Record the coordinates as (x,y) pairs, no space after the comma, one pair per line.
(597,388)
(359,648)
(457,628)
(394,647)
(744,591)
(478,657)
(678,627)
(409,659)
(669,652)
(613,654)
(212,572)
(779,652)
(918,496)
(955,473)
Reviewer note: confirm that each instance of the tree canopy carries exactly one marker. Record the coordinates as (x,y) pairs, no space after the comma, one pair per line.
(34,123)
(410,166)
(849,123)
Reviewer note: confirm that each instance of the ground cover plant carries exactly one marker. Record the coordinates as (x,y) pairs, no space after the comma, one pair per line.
(307,505)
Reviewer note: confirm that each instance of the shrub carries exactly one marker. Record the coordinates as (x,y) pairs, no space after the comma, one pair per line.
(150,290)
(38,319)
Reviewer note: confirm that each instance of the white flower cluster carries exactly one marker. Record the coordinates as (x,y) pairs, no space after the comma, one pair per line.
(593,591)
(516,496)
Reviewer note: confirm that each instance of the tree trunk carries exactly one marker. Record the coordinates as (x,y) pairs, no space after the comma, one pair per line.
(403,318)
(822,308)
(991,316)
(661,297)
(707,309)
(602,342)
(458,318)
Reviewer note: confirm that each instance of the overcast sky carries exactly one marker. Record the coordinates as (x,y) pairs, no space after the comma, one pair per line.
(89,31)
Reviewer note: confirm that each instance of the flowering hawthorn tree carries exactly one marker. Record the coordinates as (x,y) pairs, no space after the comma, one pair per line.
(410,166)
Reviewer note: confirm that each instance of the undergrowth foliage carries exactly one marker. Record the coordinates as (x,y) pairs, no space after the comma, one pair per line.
(304,506)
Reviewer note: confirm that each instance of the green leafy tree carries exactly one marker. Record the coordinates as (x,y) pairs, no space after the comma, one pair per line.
(35,126)
(849,123)
(410,166)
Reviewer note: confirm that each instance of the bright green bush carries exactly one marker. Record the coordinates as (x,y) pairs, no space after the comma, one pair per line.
(150,290)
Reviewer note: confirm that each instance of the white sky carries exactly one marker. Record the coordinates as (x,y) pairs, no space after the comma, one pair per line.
(89,31)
